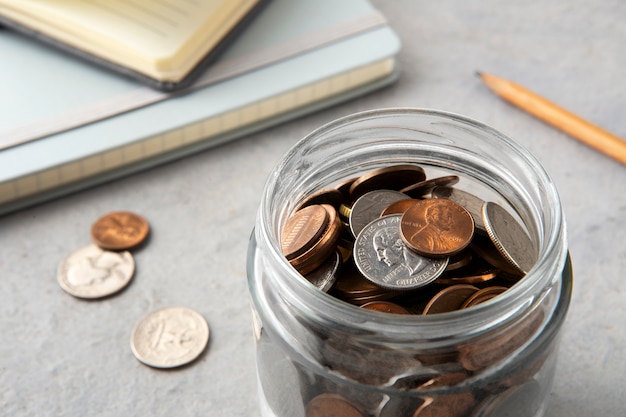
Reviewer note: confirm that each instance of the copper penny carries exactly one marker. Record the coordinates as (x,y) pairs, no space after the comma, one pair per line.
(303,229)
(436,227)
(120,230)
(385,307)
(323,247)
(424,188)
(449,299)
(483,295)
(467,279)
(399,207)
(331,405)
(451,405)
(472,203)
(393,177)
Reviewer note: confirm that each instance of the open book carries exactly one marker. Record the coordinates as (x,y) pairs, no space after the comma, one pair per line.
(164,43)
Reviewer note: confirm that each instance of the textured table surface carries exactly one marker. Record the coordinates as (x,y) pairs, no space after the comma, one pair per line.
(60,356)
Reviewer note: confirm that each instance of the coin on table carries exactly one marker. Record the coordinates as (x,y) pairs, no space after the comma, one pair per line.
(382,257)
(92,272)
(331,405)
(120,230)
(169,337)
(436,227)
(509,237)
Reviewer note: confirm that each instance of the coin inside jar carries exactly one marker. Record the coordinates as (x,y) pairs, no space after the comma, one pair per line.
(303,229)
(322,247)
(331,405)
(437,227)
(382,257)
(393,177)
(120,230)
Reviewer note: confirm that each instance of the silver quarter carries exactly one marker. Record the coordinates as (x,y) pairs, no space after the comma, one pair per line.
(382,257)
(509,237)
(369,206)
(170,337)
(91,272)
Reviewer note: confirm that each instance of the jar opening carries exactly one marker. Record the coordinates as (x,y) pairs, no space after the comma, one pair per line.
(499,168)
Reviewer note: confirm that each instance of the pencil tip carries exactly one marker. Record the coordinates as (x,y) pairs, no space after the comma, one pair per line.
(478,74)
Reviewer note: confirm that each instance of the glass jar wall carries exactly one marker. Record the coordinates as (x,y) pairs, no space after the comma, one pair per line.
(316,352)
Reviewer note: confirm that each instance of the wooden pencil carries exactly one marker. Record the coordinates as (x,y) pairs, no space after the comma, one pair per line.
(557,116)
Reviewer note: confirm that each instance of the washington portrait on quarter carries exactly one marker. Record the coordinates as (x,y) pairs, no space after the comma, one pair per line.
(383,258)
(91,272)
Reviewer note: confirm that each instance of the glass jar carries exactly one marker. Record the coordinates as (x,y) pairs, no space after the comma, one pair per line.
(317,353)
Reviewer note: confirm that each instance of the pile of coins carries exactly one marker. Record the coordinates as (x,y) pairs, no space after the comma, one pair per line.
(106,266)
(395,241)
(392,240)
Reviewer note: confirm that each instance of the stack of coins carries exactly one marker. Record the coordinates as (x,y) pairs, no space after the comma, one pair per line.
(107,266)
(397,242)
(394,235)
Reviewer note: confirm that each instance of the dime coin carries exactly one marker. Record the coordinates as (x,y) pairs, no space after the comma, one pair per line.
(509,237)
(169,337)
(424,188)
(302,230)
(331,405)
(369,206)
(385,307)
(483,295)
(436,227)
(449,299)
(120,230)
(393,177)
(382,257)
(91,272)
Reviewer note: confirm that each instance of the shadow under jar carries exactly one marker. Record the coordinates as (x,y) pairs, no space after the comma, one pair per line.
(318,355)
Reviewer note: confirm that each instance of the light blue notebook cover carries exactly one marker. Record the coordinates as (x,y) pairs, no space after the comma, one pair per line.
(67,125)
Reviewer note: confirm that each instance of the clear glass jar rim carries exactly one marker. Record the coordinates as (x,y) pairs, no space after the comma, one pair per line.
(309,300)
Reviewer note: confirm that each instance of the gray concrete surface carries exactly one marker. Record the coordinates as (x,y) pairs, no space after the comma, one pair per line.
(60,356)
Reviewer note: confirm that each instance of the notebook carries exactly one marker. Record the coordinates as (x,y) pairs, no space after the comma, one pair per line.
(72,126)
(163,43)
